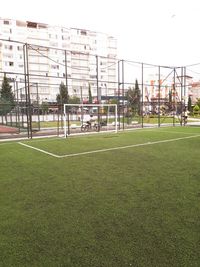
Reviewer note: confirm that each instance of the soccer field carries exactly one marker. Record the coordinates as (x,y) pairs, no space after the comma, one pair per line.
(119,199)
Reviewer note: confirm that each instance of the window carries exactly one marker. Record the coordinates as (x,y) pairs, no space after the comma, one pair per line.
(6,31)
(53,44)
(83,32)
(93,76)
(5,55)
(31,24)
(19,48)
(10,63)
(10,47)
(6,22)
(55,67)
(65,37)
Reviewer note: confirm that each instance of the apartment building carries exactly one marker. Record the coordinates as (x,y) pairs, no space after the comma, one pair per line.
(53,54)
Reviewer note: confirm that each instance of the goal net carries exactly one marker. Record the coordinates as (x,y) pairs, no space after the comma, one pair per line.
(89,118)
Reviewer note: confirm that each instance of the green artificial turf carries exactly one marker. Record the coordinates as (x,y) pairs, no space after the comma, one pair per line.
(136,206)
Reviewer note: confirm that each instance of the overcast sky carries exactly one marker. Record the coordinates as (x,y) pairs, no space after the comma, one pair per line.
(162,32)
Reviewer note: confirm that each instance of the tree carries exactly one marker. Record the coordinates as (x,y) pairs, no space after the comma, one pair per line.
(45,107)
(170,104)
(198,102)
(189,104)
(74,100)
(7,99)
(90,94)
(63,97)
(5,107)
(112,101)
(196,109)
(133,98)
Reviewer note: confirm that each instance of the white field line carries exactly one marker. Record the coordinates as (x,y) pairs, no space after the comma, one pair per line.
(6,143)
(129,146)
(40,150)
(16,140)
(165,131)
(108,149)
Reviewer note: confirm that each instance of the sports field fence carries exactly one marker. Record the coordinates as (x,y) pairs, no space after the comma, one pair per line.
(146,95)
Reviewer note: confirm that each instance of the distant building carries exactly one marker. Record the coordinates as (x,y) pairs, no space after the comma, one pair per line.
(195,91)
(55,52)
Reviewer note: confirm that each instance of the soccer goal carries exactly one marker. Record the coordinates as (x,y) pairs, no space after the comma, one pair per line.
(89,118)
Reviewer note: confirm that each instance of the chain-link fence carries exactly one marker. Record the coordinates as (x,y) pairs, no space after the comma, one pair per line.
(146,95)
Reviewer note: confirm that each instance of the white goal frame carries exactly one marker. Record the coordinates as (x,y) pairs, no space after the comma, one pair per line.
(88,105)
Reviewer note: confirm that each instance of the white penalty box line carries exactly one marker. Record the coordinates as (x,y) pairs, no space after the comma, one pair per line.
(40,150)
(106,149)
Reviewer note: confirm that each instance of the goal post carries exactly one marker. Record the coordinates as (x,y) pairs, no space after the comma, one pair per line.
(107,111)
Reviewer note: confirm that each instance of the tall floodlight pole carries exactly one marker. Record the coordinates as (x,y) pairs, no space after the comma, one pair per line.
(25,81)
(29,99)
(98,91)
(118,92)
(97,79)
(181,96)
(66,84)
(66,80)
(174,92)
(159,92)
(38,106)
(18,109)
(123,95)
(27,90)
(142,109)
(184,90)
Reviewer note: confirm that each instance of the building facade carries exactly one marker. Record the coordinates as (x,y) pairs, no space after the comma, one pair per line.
(50,55)
(195,91)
